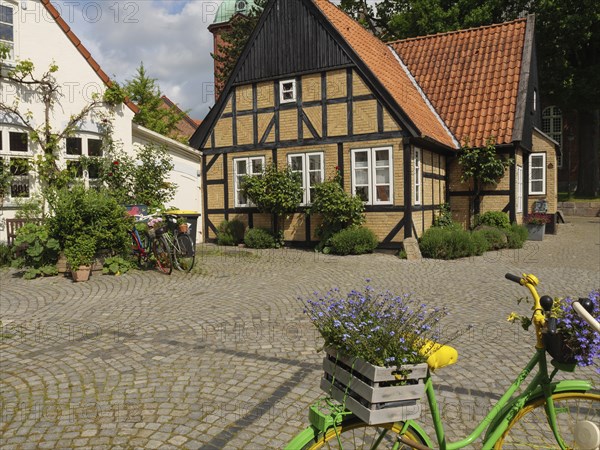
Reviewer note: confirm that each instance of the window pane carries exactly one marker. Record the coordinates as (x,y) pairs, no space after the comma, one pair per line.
(19,187)
(537,174)
(537,161)
(383,193)
(242,199)
(557,124)
(94,170)
(361,159)
(19,166)
(240,166)
(363,193)
(362,177)
(94,147)
(296,163)
(382,158)
(6,32)
(257,166)
(382,176)
(537,186)
(74,146)
(288,96)
(546,125)
(18,142)
(6,14)
(315,178)
(314,162)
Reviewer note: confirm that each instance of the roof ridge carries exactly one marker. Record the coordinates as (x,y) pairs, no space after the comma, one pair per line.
(83,50)
(463,30)
(172,104)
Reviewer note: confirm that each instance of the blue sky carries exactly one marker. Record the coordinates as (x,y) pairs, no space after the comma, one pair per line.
(169,36)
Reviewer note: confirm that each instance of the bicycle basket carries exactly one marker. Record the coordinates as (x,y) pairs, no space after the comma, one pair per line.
(159,231)
(557,349)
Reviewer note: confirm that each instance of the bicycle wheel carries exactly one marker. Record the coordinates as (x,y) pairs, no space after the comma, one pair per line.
(161,252)
(184,253)
(356,434)
(530,428)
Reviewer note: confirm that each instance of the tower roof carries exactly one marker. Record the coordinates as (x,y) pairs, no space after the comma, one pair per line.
(229,8)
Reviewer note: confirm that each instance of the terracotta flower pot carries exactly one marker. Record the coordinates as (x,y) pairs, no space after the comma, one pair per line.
(183,227)
(81,274)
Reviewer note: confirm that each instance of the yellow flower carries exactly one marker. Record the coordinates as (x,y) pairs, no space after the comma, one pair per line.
(512,317)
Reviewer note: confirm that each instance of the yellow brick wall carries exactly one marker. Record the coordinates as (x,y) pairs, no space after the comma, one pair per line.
(295,227)
(383,223)
(389,124)
(245,130)
(315,116)
(542,145)
(216,171)
(224,132)
(311,87)
(216,196)
(263,123)
(241,217)
(358,85)
(216,219)
(243,97)
(336,84)
(265,94)
(315,222)
(337,120)
(460,210)
(262,221)
(288,124)
(228,106)
(364,117)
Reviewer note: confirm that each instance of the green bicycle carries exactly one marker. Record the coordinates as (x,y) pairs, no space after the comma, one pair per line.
(548,414)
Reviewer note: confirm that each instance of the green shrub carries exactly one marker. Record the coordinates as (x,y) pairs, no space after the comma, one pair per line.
(516,236)
(443,218)
(5,255)
(116,266)
(231,232)
(495,237)
(496,219)
(80,250)
(36,251)
(259,238)
(452,243)
(353,241)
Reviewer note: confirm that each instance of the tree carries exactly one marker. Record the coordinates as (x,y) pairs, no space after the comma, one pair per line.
(153,114)
(567,40)
(482,166)
(234,40)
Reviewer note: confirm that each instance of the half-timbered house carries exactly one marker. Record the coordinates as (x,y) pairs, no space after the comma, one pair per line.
(316,91)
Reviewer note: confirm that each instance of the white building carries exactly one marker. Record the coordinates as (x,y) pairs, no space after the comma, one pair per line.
(34,30)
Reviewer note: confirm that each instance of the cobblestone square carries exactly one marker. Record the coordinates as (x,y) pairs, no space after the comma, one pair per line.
(225,358)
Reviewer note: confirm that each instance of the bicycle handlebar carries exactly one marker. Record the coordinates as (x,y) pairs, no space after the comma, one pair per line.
(514,278)
(581,312)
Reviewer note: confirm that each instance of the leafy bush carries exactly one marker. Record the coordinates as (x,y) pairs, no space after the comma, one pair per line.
(443,219)
(116,266)
(274,191)
(36,251)
(231,232)
(338,209)
(516,236)
(79,211)
(495,237)
(259,238)
(496,219)
(452,243)
(353,241)
(5,255)
(80,250)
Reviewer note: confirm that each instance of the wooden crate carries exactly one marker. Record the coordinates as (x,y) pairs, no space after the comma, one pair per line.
(373,393)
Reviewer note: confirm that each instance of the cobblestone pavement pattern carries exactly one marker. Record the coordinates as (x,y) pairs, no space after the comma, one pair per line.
(226,359)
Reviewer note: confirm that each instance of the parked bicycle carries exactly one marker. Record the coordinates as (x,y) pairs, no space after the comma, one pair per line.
(181,245)
(151,243)
(548,414)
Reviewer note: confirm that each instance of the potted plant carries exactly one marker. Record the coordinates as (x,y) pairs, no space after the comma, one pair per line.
(182,225)
(377,345)
(80,253)
(573,342)
(536,225)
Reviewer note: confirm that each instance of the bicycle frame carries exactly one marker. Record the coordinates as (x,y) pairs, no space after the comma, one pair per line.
(143,252)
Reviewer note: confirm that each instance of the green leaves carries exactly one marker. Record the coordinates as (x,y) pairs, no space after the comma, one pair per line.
(274,191)
(482,165)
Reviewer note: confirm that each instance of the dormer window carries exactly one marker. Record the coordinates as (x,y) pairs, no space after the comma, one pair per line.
(7,29)
(287,91)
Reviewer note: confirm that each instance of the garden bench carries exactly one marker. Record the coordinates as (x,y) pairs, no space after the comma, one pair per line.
(12,225)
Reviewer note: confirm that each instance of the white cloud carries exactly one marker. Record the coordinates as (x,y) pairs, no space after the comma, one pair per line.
(169,36)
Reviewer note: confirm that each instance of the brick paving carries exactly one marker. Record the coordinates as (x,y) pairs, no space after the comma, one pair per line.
(225,359)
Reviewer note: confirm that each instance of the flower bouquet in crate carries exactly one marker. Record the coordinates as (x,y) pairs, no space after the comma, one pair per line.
(155,225)
(377,345)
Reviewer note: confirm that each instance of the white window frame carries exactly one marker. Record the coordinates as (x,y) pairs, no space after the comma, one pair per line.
(283,91)
(85,138)
(519,189)
(11,44)
(549,120)
(543,179)
(417,176)
(236,183)
(305,172)
(7,155)
(372,174)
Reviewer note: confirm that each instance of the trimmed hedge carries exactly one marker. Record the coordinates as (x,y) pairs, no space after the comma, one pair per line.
(259,238)
(353,241)
(516,236)
(230,232)
(496,219)
(452,243)
(497,238)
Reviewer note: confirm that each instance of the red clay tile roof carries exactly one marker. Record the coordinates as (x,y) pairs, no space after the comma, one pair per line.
(384,64)
(186,126)
(471,77)
(84,51)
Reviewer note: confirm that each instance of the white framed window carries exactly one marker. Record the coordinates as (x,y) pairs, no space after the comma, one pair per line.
(310,166)
(417,177)
(537,173)
(88,146)
(287,91)
(7,28)
(519,189)
(372,175)
(16,155)
(552,125)
(242,167)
